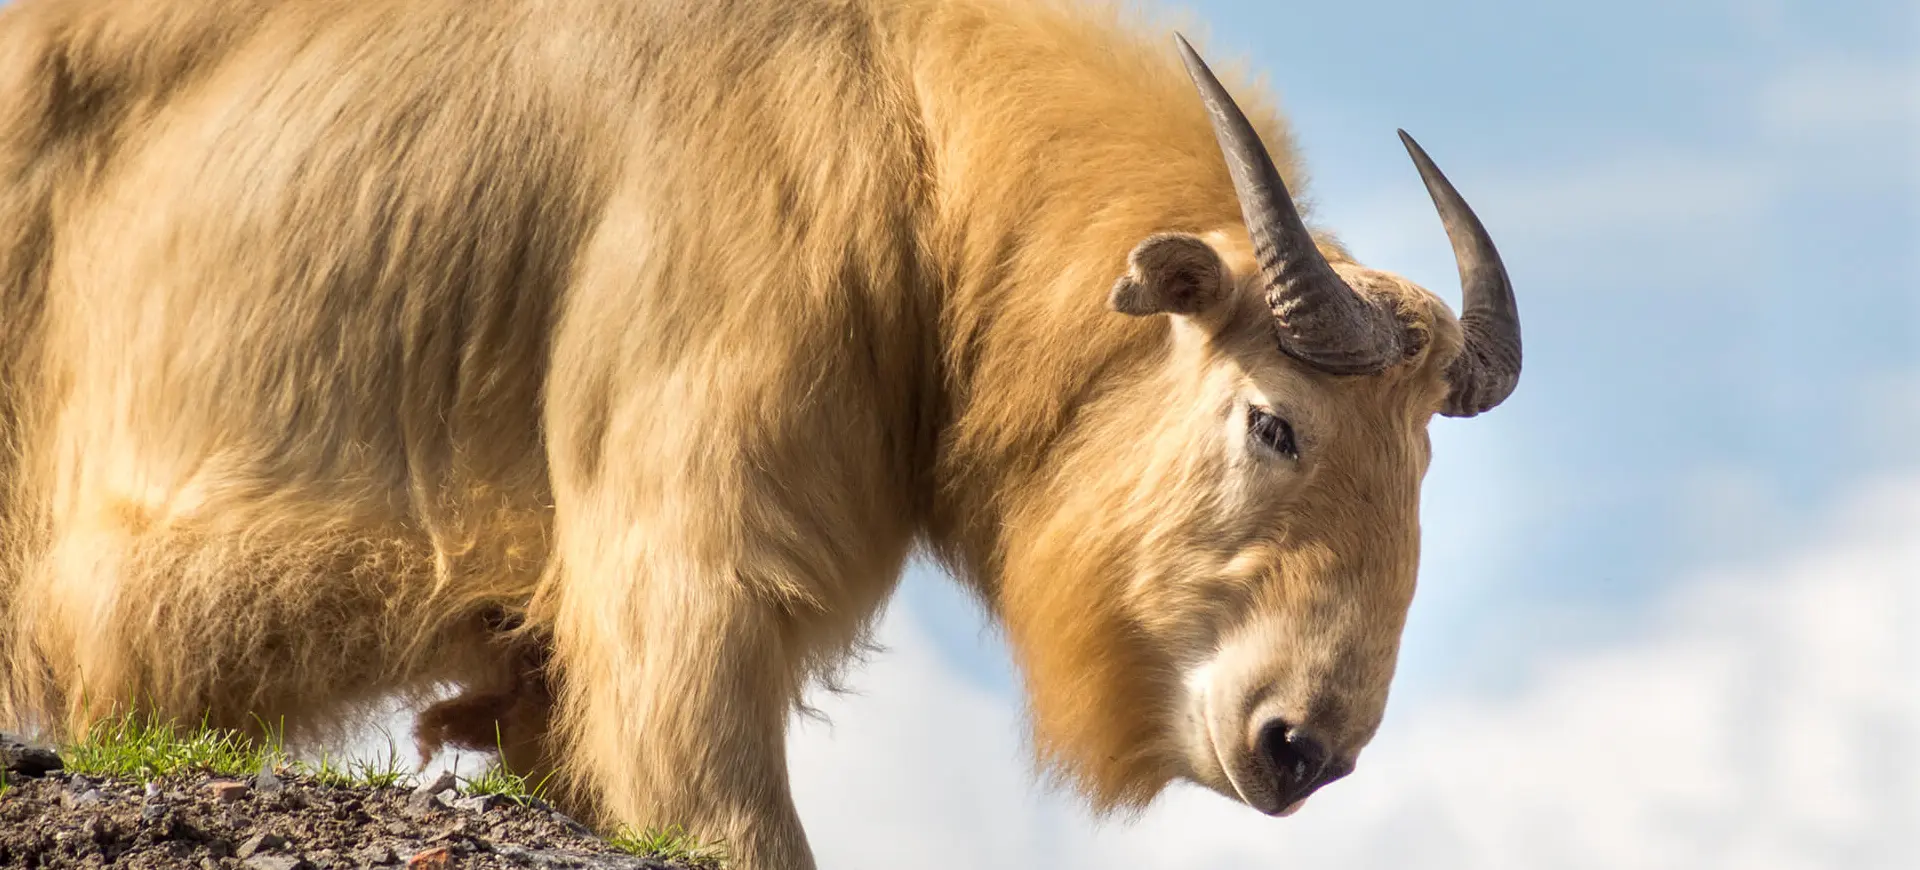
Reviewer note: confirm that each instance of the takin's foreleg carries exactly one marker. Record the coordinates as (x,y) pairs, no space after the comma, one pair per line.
(676,681)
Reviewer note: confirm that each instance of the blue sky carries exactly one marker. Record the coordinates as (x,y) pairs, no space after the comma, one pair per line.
(1680,557)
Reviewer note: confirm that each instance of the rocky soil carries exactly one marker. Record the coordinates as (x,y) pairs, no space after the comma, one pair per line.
(50,818)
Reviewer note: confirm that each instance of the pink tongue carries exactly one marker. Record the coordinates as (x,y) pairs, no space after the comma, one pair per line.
(1293,808)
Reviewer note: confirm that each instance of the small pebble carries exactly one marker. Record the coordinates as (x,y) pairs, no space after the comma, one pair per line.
(27,761)
(421,802)
(227,791)
(265,781)
(479,803)
(444,781)
(437,858)
(89,798)
(257,844)
(276,862)
(377,856)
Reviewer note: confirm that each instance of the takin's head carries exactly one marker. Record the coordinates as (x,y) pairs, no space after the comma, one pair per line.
(1228,610)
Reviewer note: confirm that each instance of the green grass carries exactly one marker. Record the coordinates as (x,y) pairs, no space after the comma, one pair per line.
(134,747)
(498,780)
(384,772)
(672,844)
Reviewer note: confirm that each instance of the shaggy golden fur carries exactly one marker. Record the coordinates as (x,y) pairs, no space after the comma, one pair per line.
(607,359)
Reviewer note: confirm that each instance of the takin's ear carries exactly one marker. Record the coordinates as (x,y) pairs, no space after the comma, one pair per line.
(1170,273)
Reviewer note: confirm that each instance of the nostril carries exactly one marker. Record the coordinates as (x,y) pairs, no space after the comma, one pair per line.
(1297,758)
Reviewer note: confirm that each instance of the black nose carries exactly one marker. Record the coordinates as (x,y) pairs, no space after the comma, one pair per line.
(1299,761)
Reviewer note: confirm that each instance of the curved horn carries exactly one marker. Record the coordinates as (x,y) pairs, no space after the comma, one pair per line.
(1489,365)
(1321,320)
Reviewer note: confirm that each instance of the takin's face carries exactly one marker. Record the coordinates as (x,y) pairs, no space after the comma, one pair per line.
(1286,535)
(1212,580)
(1228,610)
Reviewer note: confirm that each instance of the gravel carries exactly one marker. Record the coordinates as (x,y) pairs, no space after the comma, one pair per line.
(53,819)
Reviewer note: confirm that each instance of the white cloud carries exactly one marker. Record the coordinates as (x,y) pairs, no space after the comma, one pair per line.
(1768,716)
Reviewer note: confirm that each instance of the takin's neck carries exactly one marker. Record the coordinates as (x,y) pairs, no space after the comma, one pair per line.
(1057,139)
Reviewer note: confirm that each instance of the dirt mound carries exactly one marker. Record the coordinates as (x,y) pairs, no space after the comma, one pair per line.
(272,822)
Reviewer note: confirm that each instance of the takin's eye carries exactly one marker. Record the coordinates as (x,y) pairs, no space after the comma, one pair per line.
(1272,432)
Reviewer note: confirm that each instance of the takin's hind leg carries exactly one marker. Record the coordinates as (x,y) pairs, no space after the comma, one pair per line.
(258,631)
(508,710)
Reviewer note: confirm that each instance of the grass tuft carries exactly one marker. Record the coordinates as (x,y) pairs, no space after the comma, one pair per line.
(496,779)
(671,844)
(136,747)
(385,772)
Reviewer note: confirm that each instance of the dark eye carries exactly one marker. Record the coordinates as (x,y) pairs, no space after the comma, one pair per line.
(1274,433)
